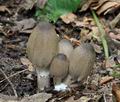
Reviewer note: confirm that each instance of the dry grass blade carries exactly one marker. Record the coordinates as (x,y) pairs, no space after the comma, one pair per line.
(9,82)
(14,75)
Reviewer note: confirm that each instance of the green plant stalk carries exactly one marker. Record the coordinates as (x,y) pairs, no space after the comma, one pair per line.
(101,30)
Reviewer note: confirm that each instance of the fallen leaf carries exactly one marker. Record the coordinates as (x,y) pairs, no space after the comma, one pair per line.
(73,40)
(40,97)
(115,21)
(70,17)
(26,62)
(116,92)
(114,36)
(110,62)
(97,48)
(105,79)
(106,6)
(87,5)
(4,8)
(25,24)
(82,99)
(28,4)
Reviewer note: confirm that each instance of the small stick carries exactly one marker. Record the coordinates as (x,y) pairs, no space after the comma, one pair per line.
(14,75)
(9,82)
(75,41)
(115,21)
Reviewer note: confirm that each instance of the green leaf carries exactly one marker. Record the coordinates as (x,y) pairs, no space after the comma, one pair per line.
(55,8)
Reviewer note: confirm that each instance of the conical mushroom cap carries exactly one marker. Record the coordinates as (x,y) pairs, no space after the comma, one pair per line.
(81,61)
(42,45)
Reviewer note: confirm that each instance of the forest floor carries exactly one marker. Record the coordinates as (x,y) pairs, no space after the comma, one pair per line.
(16,79)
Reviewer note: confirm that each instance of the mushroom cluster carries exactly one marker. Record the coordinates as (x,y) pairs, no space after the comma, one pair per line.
(57,59)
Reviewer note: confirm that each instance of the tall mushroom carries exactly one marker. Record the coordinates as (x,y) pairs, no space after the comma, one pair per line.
(42,46)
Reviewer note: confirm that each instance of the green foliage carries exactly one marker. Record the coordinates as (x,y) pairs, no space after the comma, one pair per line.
(116,74)
(55,8)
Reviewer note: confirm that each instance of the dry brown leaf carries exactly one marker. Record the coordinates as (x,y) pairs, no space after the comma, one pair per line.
(4,8)
(79,23)
(110,62)
(97,48)
(106,6)
(87,4)
(112,9)
(101,6)
(82,99)
(114,36)
(85,35)
(100,3)
(40,97)
(25,24)
(70,17)
(116,92)
(28,4)
(73,40)
(115,21)
(105,79)
(26,62)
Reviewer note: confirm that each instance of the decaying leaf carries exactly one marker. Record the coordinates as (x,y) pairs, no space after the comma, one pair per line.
(26,62)
(101,6)
(82,99)
(4,8)
(106,6)
(87,4)
(40,97)
(105,79)
(115,21)
(116,92)
(114,36)
(97,48)
(110,62)
(70,17)
(28,4)
(25,24)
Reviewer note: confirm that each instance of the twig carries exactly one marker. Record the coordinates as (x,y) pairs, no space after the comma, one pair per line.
(3,87)
(115,21)
(104,97)
(9,82)
(14,75)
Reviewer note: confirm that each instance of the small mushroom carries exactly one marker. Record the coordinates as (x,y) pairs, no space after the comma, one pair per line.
(65,47)
(81,62)
(42,46)
(59,69)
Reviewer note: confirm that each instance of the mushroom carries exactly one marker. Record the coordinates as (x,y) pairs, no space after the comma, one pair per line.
(42,46)
(65,47)
(81,62)
(59,70)
(60,64)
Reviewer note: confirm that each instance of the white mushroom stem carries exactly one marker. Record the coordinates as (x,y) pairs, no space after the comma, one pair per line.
(61,87)
(42,79)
